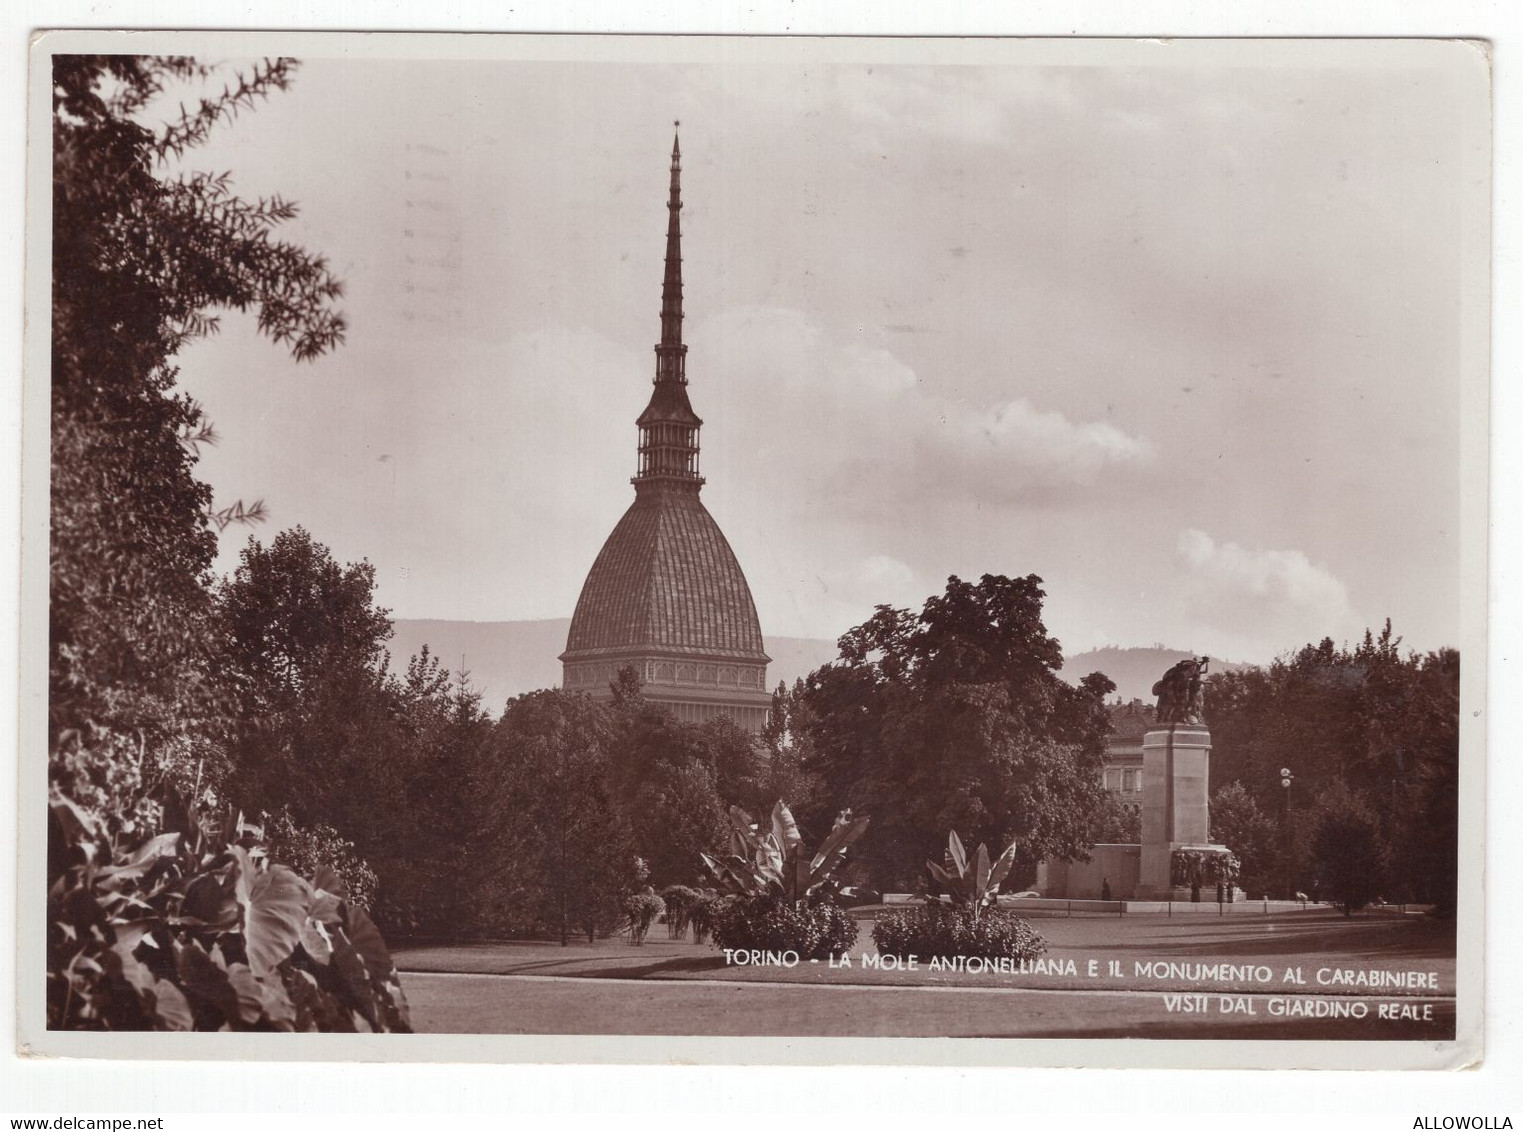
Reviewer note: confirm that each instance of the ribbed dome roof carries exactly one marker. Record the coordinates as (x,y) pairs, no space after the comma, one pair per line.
(666,580)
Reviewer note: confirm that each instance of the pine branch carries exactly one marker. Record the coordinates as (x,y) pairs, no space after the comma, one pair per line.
(238,513)
(194,126)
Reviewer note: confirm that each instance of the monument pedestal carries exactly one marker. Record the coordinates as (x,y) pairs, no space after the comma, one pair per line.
(1175,792)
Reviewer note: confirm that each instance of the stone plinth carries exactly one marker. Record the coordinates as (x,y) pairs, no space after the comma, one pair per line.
(1175,791)
(1110,873)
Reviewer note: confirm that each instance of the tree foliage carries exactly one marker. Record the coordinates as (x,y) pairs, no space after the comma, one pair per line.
(1117,823)
(787,752)
(144,716)
(1237,822)
(956,718)
(673,781)
(1380,723)
(142,257)
(326,733)
(557,851)
(1348,852)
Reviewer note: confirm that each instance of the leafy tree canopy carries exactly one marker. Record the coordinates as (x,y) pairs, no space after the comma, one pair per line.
(955,718)
(1379,722)
(294,617)
(143,255)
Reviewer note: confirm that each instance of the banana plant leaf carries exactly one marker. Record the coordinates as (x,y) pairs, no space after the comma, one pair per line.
(840,838)
(769,860)
(959,855)
(743,823)
(784,829)
(1001,868)
(801,872)
(980,887)
(940,875)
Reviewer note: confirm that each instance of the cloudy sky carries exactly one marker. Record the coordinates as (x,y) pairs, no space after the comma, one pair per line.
(1183,338)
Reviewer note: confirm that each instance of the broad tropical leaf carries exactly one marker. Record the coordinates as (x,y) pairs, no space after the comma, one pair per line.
(743,824)
(784,829)
(367,940)
(778,863)
(256,999)
(211,898)
(351,971)
(980,873)
(278,904)
(78,823)
(739,845)
(1001,868)
(841,837)
(203,979)
(130,933)
(120,961)
(327,907)
(316,942)
(769,859)
(327,880)
(273,997)
(170,1006)
(799,873)
(959,855)
(144,858)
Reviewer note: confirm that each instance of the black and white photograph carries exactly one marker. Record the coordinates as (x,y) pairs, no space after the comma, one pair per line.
(739,549)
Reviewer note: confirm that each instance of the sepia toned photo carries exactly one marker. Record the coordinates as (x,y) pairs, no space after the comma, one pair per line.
(738,549)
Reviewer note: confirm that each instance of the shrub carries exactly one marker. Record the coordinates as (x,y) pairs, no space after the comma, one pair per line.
(308,848)
(642,909)
(838,930)
(679,902)
(765,923)
(939,931)
(195,929)
(700,914)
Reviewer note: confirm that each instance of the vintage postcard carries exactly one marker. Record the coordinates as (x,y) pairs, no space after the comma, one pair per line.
(829,550)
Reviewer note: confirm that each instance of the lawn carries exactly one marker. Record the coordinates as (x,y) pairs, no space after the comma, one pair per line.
(1310,941)
(488,1004)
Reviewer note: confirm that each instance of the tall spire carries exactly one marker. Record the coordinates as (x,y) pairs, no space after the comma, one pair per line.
(669,366)
(668,453)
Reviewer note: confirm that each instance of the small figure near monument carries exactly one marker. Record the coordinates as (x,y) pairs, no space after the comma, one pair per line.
(1180,691)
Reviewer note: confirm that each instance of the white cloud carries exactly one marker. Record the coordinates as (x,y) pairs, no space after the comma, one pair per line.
(1260,602)
(828,600)
(1285,576)
(1048,445)
(981,106)
(858,420)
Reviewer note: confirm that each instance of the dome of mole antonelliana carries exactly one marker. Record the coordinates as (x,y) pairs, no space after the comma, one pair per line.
(666,579)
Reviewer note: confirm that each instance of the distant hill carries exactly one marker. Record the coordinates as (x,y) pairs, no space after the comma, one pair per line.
(508,658)
(1134,670)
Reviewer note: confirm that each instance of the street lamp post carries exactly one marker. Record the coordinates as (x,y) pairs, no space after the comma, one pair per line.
(1286,778)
